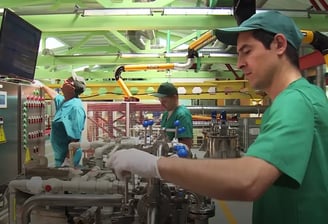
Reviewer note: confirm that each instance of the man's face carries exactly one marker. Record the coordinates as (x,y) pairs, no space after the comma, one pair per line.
(168,102)
(257,63)
(68,87)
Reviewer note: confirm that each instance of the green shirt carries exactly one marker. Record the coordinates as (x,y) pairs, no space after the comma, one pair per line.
(183,115)
(294,138)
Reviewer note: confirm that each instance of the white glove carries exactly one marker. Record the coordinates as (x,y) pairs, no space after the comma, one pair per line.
(37,83)
(127,161)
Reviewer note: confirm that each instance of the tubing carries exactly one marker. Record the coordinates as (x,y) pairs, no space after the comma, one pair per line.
(67,200)
(57,186)
(228,109)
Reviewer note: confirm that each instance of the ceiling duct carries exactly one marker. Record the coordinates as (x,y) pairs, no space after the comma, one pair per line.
(137,36)
(243,9)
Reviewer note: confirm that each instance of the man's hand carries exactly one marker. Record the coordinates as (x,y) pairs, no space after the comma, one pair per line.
(127,161)
(37,84)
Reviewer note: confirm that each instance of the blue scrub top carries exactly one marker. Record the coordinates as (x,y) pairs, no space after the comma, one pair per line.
(67,125)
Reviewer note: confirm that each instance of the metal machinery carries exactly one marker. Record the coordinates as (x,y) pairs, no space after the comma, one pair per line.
(22,113)
(221,139)
(227,135)
(92,194)
(22,141)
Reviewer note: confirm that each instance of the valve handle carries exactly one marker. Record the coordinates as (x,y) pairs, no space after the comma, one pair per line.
(147,123)
(181,150)
(181,130)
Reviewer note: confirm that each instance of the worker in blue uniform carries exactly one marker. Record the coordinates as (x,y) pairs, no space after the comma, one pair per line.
(69,119)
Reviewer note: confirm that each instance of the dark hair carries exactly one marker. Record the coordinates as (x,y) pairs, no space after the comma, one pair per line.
(79,86)
(266,39)
(78,89)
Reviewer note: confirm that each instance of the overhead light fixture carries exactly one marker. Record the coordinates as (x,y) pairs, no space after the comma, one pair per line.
(197,11)
(176,11)
(116,12)
(178,55)
(141,55)
(162,11)
(219,55)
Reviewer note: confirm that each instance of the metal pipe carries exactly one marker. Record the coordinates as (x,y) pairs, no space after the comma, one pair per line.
(152,214)
(181,66)
(73,146)
(67,200)
(228,109)
(127,119)
(13,187)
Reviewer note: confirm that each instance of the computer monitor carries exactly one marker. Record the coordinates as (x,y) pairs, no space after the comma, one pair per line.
(19,46)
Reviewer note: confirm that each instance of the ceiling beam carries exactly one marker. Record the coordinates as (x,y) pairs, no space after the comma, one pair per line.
(115,59)
(77,23)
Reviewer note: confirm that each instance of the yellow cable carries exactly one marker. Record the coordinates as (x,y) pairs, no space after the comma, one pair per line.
(227,212)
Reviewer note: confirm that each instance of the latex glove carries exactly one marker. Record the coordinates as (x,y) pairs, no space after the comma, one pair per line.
(127,161)
(37,83)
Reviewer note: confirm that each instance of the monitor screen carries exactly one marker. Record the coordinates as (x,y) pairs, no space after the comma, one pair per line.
(19,45)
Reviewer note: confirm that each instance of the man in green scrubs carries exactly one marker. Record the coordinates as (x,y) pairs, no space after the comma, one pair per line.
(285,171)
(175,114)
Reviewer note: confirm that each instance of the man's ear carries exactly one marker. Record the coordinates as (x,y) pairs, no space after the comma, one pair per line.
(280,42)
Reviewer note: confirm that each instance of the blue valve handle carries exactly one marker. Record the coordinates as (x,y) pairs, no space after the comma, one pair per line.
(223,115)
(181,150)
(181,130)
(147,123)
(150,122)
(213,114)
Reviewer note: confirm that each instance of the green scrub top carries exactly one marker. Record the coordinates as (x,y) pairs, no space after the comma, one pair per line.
(294,138)
(183,115)
(67,125)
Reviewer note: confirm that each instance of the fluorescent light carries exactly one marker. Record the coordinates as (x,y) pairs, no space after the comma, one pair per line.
(197,11)
(178,55)
(116,12)
(163,11)
(219,55)
(126,55)
(52,43)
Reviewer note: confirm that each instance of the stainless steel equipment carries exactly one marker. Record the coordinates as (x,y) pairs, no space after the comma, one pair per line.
(249,130)
(94,195)
(229,139)
(22,114)
(221,139)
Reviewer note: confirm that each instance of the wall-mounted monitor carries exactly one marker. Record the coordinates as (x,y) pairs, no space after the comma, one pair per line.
(19,46)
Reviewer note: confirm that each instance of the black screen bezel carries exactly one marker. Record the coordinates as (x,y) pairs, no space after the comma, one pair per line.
(19,46)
